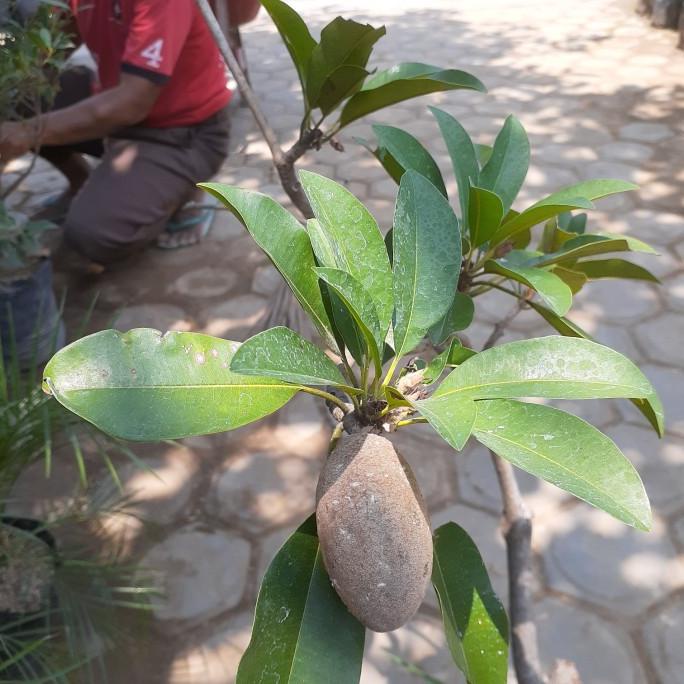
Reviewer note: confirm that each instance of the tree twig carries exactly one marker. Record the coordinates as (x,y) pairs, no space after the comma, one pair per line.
(283,162)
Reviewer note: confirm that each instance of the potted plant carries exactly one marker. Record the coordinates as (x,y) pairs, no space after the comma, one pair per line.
(34,47)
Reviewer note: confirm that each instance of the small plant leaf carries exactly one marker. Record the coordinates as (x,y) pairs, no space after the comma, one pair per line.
(505,171)
(575,280)
(354,241)
(451,416)
(485,211)
(302,631)
(578,196)
(142,385)
(458,317)
(547,285)
(590,245)
(282,353)
(402,82)
(285,242)
(566,451)
(463,158)
(337,63)
(295,35)
(552,367)
(651,406)
(409,153)
(360,306)
(426,259)
(614,268)
(453,356)
(475,621)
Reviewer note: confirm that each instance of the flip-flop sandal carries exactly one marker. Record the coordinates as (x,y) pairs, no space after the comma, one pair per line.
(198,225)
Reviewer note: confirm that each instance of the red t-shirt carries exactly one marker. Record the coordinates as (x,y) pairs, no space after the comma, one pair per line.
(166,41)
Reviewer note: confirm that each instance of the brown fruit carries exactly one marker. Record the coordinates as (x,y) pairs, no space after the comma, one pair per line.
(374,531)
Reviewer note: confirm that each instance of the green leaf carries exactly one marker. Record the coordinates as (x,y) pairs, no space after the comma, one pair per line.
(463,158)
(566,451)
(402,82)
(302,631)
(337,63)
(408,152)
(452,417)
(285,242)
(573,224)
(574,279)
(552,367)
(485,211)
(578,196)
(650,406)
(360,307)
(427,259)
(484,153)
(591,245)
(454,355)
(295,35)
(284,354)
(614,268)
(458,317)
(354,241)
(505,171)
(546,284)
(142,385)
(475,621)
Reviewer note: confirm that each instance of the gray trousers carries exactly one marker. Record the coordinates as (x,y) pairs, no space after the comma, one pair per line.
(144,176)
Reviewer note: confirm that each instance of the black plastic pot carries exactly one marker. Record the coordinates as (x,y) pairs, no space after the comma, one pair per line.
(29,314)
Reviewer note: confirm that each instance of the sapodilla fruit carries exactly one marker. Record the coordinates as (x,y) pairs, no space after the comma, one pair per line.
(374,531)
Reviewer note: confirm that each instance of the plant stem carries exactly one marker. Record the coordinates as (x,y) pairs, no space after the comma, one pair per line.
(324,395)
(390,372)
(411,421)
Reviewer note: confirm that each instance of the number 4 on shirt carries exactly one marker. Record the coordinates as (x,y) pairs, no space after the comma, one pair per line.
(153,53)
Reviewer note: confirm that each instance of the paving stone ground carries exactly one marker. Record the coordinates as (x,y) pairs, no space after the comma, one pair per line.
(601,94)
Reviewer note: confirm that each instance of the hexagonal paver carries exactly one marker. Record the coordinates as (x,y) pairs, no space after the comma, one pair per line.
(303,428)
(661,338)
(205,282)
(215,659)
(674,295)
(602,652)
(261,490)
(603,300)
(646,132)
(660,463)
(663,636)
(266,280)
(159,316)
(599,559)
(234,318)
(191,558)
(625,152)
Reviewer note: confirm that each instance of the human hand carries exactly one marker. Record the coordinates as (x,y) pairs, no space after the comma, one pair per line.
(16,138)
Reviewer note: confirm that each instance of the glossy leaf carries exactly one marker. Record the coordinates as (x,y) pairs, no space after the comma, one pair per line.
(574,279)
(458,317)
(285,242)
(475,622)
(402,82)
(578,196)
(591,245)
(566,451)
(505,171)
(552,367)
(302,631)
(143,385)
(650,406)
(282,353)
(337,63)
(452,417)
(547,285)
(485,212)
(427,259)
(295,35)
(409,153)
(614,268)
(463,157)
(360,306)
(354,241)
(454,355)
